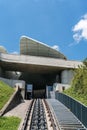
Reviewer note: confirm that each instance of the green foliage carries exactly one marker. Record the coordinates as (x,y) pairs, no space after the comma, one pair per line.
(85,61)
(5,93)
(78,88)
(9,123)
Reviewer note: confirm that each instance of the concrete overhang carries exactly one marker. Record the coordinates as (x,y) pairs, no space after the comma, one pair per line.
(34,64)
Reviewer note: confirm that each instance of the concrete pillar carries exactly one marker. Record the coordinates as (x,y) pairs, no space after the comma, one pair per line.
(67,76)
(57,78)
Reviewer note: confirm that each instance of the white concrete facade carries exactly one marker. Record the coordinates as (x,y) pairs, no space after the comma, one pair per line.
(60,87)
(66,76)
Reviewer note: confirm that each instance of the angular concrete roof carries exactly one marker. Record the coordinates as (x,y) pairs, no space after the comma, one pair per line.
(29,46)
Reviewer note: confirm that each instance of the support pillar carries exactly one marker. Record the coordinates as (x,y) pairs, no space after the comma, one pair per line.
(67,76)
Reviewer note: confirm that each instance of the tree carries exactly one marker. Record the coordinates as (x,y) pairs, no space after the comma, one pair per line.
(85,62)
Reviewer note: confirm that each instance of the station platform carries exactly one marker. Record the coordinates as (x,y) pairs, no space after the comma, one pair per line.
(65,118)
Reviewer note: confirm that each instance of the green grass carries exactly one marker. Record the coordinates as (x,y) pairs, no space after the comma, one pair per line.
(78,89)
(9,123)
(5,93)
(79,97)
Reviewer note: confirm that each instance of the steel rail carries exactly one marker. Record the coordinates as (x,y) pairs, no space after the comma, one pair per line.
(39,117)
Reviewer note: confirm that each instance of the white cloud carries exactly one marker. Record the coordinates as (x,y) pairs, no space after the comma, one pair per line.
(84,16)
(80,29)
(72,43)
(56,47)
(15,52)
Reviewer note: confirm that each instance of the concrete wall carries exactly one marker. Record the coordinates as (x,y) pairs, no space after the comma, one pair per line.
(60,87)
(11,75)
(14,100)
(14,83)
(7,74)
(67,76)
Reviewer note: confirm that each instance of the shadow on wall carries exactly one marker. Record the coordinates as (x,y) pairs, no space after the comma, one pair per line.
(15,99)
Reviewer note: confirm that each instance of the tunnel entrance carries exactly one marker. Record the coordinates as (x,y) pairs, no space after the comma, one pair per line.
(35,91)
(38,82)
(39,91)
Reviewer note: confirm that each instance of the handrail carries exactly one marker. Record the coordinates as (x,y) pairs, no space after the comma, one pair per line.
(77,108)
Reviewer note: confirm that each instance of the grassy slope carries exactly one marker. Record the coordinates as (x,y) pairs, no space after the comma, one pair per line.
(9,123)
(5,93)
(78,88)
(79,97)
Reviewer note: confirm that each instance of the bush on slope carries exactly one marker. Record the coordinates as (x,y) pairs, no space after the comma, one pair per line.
(78,88)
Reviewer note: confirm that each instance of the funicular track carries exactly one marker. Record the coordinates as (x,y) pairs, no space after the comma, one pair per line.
(39,117)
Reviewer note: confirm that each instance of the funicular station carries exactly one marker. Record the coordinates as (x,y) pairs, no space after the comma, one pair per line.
(39,66)
(40,70)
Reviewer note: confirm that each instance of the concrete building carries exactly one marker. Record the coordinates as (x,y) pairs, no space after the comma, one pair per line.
(38,64)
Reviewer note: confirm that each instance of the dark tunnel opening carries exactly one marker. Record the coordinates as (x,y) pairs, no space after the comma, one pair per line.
(37,84)
(35,91)
(39,91)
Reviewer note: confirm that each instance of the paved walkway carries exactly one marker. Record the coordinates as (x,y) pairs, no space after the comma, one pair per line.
(65,118)
(20,110)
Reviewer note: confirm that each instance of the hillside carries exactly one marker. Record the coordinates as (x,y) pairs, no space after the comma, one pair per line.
(5,93)
(78,88)
(7,123)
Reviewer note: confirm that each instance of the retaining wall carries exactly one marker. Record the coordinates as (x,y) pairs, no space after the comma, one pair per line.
(17,83)
(15,99)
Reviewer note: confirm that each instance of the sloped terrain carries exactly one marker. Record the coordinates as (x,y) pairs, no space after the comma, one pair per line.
(7,123)
(78,88)
(5,93)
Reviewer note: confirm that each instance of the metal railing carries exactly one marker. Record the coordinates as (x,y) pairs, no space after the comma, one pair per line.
(78,109)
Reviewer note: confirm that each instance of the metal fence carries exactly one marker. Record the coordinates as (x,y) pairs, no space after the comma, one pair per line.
(78,109)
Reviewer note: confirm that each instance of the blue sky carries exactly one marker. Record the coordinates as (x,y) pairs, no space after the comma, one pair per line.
(61,24)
